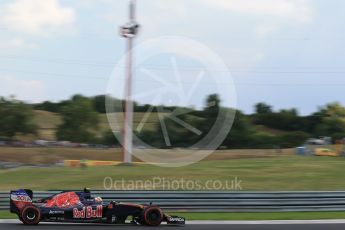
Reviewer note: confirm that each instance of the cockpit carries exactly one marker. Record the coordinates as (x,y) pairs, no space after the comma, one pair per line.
(72,199)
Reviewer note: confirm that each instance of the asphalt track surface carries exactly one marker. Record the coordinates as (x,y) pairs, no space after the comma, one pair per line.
(16,226)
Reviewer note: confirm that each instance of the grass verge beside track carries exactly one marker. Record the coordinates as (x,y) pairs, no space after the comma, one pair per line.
(242,216)
(264,216)
(286,173)
(7,215)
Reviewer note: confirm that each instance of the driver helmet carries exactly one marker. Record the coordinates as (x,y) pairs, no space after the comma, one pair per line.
(98,200)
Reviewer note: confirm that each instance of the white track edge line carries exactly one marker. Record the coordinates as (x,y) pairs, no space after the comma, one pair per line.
(235,222)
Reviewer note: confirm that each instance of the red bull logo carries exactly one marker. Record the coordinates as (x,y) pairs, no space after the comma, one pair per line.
(88,213)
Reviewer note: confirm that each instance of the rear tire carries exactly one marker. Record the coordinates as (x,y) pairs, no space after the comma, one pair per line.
(153,216)
(30,215)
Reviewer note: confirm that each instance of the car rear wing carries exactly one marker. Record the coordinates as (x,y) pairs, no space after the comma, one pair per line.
(19,199)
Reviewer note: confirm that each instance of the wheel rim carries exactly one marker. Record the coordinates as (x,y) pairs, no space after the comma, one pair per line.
(154,217)
(31,215)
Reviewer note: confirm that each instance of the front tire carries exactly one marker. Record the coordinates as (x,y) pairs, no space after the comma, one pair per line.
(153,216)
(30,215)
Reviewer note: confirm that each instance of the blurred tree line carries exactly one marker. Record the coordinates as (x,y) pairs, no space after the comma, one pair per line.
(16,118)
(265,128)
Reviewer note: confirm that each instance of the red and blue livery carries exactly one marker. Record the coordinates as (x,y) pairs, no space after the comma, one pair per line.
(81,207)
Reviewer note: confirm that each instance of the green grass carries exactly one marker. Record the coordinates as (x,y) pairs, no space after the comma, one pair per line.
(241,216)
(7,215)
(53,155)
(257,174)
(264,216)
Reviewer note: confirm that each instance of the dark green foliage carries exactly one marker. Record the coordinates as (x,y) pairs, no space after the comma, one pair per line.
(109,138)
(16,118)
(292,139)
(329,121)
(51,106)
(241,134)
(99,103)
(79,120)
(332,121)
(286,119)
(262,108)
(265,128)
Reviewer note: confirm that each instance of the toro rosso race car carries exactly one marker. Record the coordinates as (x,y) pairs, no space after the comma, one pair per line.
(80,207)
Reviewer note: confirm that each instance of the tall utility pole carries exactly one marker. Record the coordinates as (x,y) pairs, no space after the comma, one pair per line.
(129,31)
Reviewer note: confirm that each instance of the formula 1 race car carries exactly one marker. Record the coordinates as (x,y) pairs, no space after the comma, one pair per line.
(81,207)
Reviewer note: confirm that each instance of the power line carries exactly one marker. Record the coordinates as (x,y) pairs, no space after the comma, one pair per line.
(85,77)
(53,74)
(234,69)
(99,77)
(60,61)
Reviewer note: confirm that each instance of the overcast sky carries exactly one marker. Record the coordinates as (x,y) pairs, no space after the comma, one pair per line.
(287,53)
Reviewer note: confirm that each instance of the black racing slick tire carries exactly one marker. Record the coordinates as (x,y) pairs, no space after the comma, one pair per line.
(30,215)
(153,216)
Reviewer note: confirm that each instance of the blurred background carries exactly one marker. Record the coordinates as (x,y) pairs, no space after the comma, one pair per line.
(286,59)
